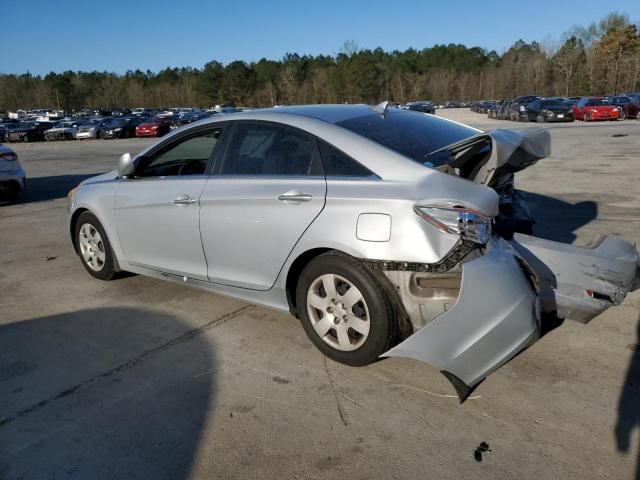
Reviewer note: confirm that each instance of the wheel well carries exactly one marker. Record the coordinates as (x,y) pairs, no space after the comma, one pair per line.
(294,274)
(72,226)
(405,328)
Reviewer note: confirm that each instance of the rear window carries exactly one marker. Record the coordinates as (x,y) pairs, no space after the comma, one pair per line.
(411,134)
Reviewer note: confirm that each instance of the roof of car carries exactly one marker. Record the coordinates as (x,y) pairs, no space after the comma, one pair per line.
(329,113)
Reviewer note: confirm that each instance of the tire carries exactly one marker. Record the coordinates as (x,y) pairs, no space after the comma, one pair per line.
(85,231)
(540,119)
(368,326)
(585,118)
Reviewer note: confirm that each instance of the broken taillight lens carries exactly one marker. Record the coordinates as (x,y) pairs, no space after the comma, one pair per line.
(468,223)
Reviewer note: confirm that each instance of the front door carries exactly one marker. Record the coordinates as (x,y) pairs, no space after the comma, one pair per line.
(157,210)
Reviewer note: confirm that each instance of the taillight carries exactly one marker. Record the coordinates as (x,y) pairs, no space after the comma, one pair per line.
(468,223)
(9,156)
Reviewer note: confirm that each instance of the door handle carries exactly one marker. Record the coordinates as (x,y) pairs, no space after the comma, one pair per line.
(184,200)
(295,196)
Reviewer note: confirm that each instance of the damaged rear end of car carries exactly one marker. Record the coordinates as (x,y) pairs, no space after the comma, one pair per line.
(481,303)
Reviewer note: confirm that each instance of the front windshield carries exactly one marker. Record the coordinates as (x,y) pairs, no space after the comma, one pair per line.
(552,103)
(409,133)
(596,102)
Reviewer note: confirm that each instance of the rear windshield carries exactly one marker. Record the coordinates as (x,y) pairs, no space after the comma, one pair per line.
(411,134)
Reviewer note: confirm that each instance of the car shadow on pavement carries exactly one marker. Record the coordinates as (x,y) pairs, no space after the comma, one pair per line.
(558,220)
(628,420)
(103,393)
(40,189)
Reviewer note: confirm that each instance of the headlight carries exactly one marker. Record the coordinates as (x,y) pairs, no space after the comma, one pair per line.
(119,129)
(468,223)
(593,110)
(523,108)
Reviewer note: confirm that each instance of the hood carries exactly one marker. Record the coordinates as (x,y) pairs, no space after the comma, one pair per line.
(600,107)
(22,129)
(112,175)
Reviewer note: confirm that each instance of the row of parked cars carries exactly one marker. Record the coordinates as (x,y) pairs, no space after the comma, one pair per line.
(140,122)
(532,108)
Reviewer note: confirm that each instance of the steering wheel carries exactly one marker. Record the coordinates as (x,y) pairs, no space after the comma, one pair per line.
(193,167)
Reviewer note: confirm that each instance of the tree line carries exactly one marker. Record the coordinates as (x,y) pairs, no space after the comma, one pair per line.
(601,58)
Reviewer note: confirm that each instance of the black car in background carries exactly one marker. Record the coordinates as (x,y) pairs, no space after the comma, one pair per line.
(549,110)
(518,107)
(120,128)
(29,131)
(186,118)
(623,102)
(423,106)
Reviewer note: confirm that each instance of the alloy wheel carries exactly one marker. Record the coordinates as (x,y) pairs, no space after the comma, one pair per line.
(92,247)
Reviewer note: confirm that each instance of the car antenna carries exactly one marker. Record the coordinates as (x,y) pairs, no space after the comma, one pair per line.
(382,107)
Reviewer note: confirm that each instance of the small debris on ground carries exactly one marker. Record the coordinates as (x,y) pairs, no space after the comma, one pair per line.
(279,379)
(619,135)
(483,447)
(51,258)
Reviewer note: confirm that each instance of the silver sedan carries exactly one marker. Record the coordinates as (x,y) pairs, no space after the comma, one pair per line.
(386,232)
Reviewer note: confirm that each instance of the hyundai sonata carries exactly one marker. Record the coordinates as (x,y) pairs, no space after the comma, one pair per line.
(387,232)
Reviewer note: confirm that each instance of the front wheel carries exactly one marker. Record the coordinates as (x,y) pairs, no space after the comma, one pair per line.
(344,309)
(585,117)
(540,118)
(93,247)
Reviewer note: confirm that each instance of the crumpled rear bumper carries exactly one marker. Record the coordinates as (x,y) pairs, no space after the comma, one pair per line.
(580,282)
(497,314)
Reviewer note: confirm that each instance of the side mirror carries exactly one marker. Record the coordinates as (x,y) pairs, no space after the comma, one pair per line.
(126,166)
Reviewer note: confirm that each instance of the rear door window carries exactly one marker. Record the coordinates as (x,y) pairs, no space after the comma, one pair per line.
(261,149)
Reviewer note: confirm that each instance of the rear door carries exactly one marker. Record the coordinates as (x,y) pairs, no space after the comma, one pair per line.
(267,190)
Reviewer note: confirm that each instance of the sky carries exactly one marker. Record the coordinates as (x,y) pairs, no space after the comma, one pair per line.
(40,36)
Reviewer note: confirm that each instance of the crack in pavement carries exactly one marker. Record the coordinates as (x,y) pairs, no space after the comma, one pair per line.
(126,365)
(342,411)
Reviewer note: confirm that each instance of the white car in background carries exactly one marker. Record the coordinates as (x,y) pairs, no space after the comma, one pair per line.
(91,129)
(12,176)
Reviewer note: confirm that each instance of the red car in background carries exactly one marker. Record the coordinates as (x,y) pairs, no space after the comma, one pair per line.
(154,127)
(595,108)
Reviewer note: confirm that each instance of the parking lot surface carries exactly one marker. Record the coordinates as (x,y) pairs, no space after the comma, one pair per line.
(137,378)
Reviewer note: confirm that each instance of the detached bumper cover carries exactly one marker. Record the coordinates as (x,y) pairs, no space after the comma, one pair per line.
(580,282)
(496,316)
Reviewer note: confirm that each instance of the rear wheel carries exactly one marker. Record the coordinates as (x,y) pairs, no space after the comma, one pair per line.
(344,310)
(94,248)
